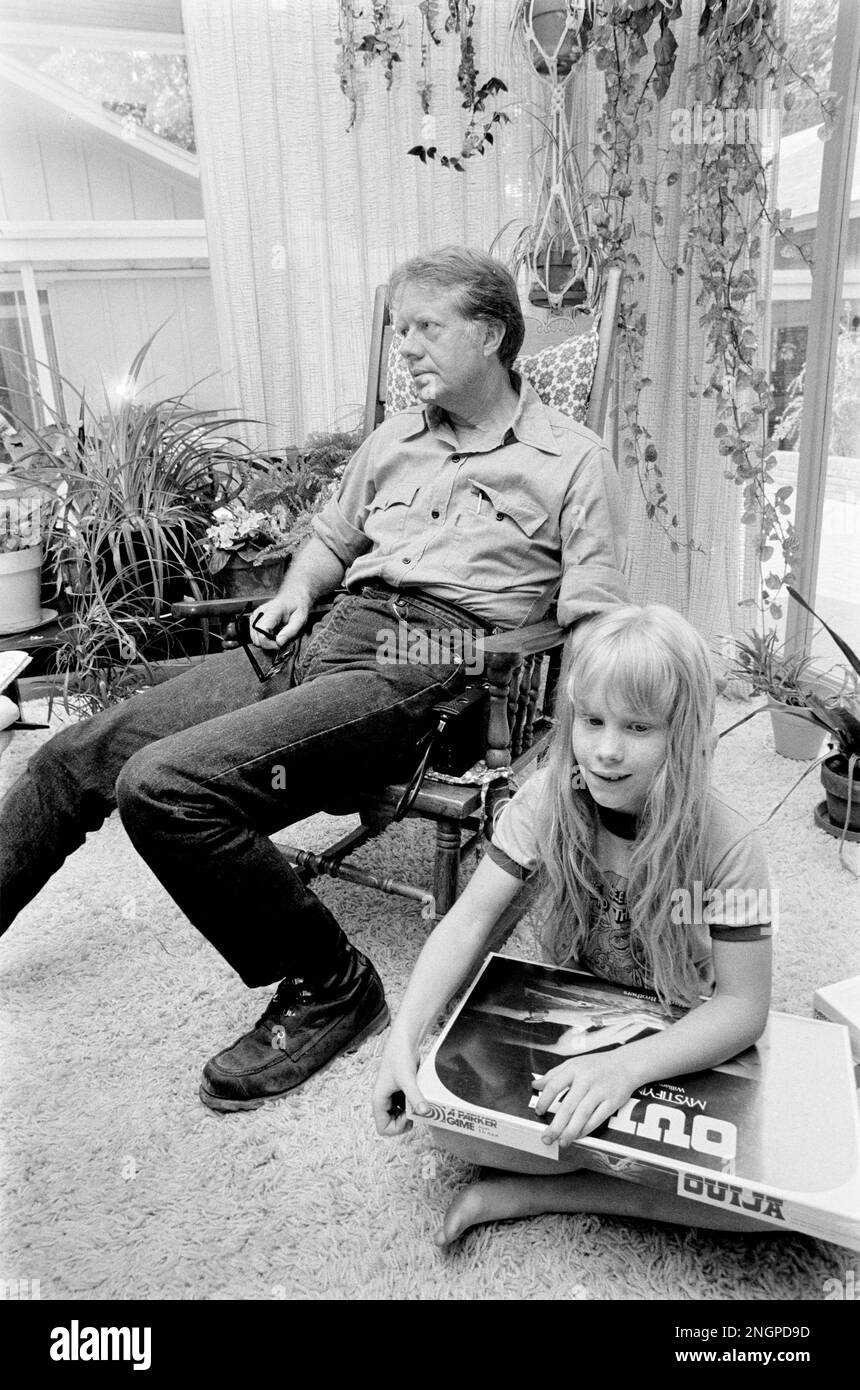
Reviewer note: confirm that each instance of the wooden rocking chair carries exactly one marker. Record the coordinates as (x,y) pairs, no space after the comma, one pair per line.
(521,671)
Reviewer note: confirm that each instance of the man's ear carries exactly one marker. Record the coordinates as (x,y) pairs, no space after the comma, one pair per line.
(493,335)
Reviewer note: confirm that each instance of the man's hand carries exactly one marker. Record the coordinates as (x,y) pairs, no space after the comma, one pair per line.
(395,1085)
(597,1086)
(283,616)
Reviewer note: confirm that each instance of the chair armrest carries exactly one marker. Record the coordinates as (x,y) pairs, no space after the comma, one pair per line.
(216,607)
(227,609)
(526,641)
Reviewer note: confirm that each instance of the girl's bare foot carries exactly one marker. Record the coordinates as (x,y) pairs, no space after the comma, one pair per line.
(511,1195)
(494,1199)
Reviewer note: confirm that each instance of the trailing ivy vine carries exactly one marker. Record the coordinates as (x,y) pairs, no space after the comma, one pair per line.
(725,215)
(725,218)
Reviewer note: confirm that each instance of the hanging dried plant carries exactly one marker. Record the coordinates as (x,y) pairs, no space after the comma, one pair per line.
(383,43)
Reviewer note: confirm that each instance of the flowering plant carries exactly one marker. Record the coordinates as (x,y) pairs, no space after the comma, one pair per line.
(271,517)
(248,532)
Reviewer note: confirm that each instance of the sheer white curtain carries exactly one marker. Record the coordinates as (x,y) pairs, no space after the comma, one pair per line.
(304,219)
(704,583)
(707,582)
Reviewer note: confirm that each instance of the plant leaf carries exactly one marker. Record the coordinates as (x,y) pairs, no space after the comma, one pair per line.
(843,646)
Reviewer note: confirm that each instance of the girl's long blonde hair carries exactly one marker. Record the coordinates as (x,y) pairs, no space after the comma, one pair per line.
(650,660)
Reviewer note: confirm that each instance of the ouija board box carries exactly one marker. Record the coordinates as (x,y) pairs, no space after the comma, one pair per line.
(774,1133)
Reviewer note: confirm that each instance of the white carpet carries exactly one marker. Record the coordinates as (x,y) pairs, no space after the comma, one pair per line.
(118,1184)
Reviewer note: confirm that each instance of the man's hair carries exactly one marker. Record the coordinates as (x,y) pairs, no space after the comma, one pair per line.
(483,289)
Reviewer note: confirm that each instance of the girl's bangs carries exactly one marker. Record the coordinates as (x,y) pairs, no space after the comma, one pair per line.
(632,671)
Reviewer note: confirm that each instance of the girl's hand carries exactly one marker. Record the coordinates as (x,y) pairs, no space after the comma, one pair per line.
(597,1086)
(395,1085)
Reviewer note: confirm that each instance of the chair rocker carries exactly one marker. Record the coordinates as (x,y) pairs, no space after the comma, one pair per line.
(518,683)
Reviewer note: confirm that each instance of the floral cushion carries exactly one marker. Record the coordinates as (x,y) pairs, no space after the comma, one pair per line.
(561,375)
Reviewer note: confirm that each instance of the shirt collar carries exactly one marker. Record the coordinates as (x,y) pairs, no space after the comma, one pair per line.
(531,423)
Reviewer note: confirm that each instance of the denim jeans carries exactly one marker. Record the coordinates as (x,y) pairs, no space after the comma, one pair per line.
(205,767)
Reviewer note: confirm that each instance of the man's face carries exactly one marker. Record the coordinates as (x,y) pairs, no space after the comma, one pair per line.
(445,352)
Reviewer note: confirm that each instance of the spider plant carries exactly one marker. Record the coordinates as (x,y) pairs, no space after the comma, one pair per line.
(130,488)
(839,714)
(764,664)
(140,478)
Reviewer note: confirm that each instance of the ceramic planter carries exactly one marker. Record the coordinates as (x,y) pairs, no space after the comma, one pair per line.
(795,732)
(830,815)
(20,589)
(241,579)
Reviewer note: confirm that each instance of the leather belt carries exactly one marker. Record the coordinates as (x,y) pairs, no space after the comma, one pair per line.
(453,615)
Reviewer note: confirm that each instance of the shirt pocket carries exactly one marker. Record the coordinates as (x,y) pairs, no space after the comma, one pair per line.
(496,530)
(389,512)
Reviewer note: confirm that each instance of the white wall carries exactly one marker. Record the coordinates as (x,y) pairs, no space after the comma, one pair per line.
(55,167)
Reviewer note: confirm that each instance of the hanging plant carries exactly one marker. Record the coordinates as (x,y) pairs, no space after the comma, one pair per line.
(429,39)
(383,43)
(346,42)
(724,213)
(724,220)
(553,247)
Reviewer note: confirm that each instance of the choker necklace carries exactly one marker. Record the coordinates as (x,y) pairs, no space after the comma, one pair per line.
(621,823)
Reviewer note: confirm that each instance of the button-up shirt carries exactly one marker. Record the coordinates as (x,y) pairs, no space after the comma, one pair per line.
(492,530)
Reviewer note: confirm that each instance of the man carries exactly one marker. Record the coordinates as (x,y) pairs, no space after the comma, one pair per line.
(463,513)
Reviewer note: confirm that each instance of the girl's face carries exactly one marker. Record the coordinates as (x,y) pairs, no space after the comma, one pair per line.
(619,752)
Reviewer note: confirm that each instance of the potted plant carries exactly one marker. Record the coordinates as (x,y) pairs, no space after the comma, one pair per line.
(130,488)
(839,813)
(252,538)
(762,662)
(127,493)
(243,547)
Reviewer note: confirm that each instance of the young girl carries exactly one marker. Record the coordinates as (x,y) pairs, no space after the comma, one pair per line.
(630,843)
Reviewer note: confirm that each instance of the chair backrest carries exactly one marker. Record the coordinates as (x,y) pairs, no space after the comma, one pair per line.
(540,334)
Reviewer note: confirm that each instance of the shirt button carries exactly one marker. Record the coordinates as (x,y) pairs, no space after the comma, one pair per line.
(500,516)
(455,458)
(405,560)
(435,516)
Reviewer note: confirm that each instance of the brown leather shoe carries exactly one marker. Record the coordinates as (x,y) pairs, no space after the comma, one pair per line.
(304,1028)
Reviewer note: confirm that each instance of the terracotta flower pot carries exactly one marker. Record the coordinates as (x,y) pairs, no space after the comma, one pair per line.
(795,732)
(831,814)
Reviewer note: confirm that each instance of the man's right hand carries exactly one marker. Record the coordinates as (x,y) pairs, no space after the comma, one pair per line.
(396,1086)
(284,616)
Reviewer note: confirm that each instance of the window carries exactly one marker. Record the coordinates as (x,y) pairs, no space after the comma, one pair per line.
(145,89)
(832,582)
(19,388)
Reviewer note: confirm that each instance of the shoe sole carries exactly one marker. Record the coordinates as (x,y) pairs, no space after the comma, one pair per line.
(223,1105)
